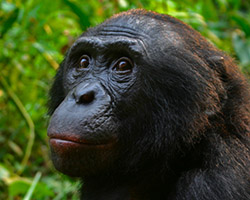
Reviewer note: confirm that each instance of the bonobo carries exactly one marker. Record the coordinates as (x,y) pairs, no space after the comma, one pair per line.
(144,108)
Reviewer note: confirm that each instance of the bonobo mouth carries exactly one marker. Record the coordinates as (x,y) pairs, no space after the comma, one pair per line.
(73,142)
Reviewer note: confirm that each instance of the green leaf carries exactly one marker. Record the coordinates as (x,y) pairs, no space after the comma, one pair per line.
(241,46)
(243,23)
(9,22)
(208,10)
(18,187)
(33,186)
(22,187)
(83,18)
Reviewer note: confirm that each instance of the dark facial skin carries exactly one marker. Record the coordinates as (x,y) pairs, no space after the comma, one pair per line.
(139,109)
(83,128)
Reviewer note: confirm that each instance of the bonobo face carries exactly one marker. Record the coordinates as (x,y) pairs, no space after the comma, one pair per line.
(99,74)
(115,95)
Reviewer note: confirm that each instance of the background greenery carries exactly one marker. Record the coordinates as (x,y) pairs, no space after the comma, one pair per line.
(34,35)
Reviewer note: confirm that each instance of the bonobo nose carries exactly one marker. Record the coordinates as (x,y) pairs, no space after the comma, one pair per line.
(86,93)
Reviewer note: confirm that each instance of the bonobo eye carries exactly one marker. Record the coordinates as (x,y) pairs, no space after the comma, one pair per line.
(123,65)
(83,62)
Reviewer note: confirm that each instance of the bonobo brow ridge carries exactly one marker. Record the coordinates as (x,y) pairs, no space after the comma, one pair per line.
(93,42)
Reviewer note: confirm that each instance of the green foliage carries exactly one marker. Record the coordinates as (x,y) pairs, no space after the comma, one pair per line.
(34,35)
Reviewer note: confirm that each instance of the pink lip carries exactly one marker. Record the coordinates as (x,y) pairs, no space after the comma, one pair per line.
(71,144)
(72,140)
(63,147)
(63,143)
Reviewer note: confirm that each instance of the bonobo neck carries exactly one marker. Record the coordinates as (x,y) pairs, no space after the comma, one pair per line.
(104,193)
(142,190)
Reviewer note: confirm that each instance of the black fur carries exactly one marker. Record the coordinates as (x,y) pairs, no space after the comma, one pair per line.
(178,121)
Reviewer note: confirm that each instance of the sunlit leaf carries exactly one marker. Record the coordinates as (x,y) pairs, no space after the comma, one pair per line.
(7,7)
(4,173)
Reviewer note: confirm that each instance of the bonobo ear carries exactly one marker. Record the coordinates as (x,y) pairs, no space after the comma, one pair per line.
(218,64)
(56,93)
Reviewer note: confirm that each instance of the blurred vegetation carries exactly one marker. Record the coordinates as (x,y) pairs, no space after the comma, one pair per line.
(35,34)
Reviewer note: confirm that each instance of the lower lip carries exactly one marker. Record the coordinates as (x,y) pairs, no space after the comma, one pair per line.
(65,146)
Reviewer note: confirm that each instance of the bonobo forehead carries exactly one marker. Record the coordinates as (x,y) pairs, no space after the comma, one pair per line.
(141,25)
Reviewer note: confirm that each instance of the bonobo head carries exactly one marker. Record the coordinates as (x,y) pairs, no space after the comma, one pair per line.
(134,90)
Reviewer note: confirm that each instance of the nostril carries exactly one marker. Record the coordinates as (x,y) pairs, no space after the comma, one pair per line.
(87,97)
